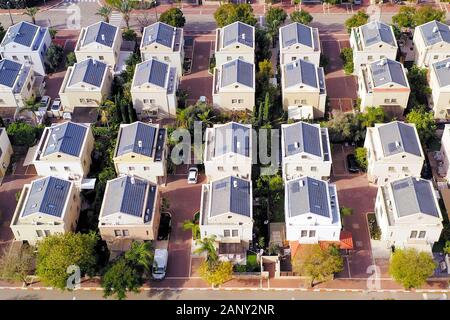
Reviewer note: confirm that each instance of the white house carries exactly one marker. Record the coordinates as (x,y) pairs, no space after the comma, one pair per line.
(431,43)
(153,90)
(311,211)
(440,89)
(303,90)
(6,152)
(371,42)
(27,43)
(16,84)
(305,151)
(226,212)
(228,151)
(445,152)
(298,41)
(408,214)
(235,41)
(393,152)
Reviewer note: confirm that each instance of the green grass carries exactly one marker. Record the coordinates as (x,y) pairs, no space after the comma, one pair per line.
(252,263)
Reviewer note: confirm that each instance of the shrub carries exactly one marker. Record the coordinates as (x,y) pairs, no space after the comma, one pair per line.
(361,158)
(347,58)
(71,59)
(374,229)
(345,211)
(22,134)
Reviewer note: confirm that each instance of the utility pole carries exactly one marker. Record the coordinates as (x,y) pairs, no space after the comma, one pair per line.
(9,11)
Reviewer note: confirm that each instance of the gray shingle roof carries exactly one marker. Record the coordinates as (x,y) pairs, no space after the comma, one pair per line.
(160,33)
(301,72)
(376,32)
(297,33)
(434,32)
(22,33)
(151,71)
(138,138)
(89,71)
(230,194)
(302,137)
(9,71)
(397,137)
(47,196)
(100,32)
(232,137)
(413,196)
(127,194)
(388,71)
(442,71)
(238,32)
(66,138)
(237,71)
(308,195)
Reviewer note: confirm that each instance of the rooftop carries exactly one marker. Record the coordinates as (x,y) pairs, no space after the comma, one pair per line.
(231,194)
(160,33)
(151,71)
(89,71)
(301,72)
(232,138)
(26,34)
(302,137)
(9,71)
(386,71)
(137,137)
(237,71)
(238,32)
(377,32)
(397,137)
(100,32)
(434,32)
(297,33)
(442,71)
(66,138)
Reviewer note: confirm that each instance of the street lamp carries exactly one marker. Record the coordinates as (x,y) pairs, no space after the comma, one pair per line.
(9,11)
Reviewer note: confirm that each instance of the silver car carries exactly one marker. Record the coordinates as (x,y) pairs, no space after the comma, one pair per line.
(192,175)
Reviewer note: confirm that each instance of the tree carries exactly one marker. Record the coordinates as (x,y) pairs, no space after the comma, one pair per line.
(59,251)
(371,116)
(71,59)
(426,14)
(22,134)
(216,274)
(173,17)
(54,57)
(17,265)
(275,17)
(301,16)
(424,121)
(129,35)
(347,59)
(361,158)
(262,45)
(125,8)
(140,255)
(119,279)
(52,32)
(417,79)
(193,226)
(357,20)
(31,12)
(346,211)
(229,13)
(266,114)
(104,12)
(317,263)
(206,245)
(107,108)
(405,17)
(2,32)
(30,107)
(411,268)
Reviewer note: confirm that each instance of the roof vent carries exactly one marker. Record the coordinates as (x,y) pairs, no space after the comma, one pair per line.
(297,145)
(133,181)
(383,62)
(435,29)
(447,65)
(397,144)
(295,64)
(243,36)
(103,37)
(238,145)
(301,183)
(140,143)
(235,183)
(150,38)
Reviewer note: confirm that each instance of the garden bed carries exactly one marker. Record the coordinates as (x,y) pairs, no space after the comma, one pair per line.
(374,229)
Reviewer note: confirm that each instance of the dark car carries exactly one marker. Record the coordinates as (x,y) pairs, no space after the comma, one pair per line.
(352,164)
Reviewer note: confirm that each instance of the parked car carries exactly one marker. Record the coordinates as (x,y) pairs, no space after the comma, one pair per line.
(352,164)
(193,175)
(56,108)
(45,102)
(160,264)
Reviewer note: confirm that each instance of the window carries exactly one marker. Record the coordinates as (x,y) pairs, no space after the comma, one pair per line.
(166,58)
(240,100)
(233,100)
(66,168)
(2,101)
(145,100)
(28,86)
(293,58)
(126,233)
(220,168)
(382,57)
(39,233)
(413,234)
(146,168)
(386,100)
(303,233)
(53,169)
(229,58)
(435,57)
(405,169)
(15,58)
(101,57)
(82,100)
(241,57)
(235,168)
(393,100)
(422,234)
(303,101)
(152,101)
(297,101)
(131,168)
(312,233)
(306,58)
(234,233)
(299,169)
(118,233)
(47,233)
(313,169)
(369,58)
(391,169)
(226,233)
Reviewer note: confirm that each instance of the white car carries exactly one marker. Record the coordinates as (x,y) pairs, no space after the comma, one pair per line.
(160,264)
(193,175)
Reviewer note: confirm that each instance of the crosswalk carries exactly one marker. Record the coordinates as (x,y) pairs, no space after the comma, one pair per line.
(116,19)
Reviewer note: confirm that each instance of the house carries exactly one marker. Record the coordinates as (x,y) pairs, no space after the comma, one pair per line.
(298,41)
(164,43)
(153,90)
(6,152)
(440,89)
(311,211)
(408,214)
(130,211)
(393,152)
(384,84)
(371,42)
(64,151)
(46,207)
(226,213)
(86,84)
(235,41)
(303,90)
(234,86)
(141,150)
(16,84)
(100,41)
(27,44)
(431,43)
(228,151)
(444,169)
(305,151)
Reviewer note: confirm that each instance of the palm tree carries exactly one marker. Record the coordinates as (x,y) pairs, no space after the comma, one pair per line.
(207,245)
(31,105)
(125,9)
(183,118)
(106,109)
(31,12)
(140,254)
(104,12)
(193,226)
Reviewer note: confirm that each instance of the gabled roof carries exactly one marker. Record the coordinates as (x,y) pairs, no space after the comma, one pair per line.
(151,71)
(9,71)
(442,71)
(230,194)
(100,32)
(232,137)
(48,196)
(127,195)
(397,137)
(388,71)
(159,32)
(414,196)
(22,33)
(297,33)
(301,72)
(66,138)
(434,32)
(302,137)
(377,32)
(88,71)
(137,137)
(308,195)
(238,32)
(237,71)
